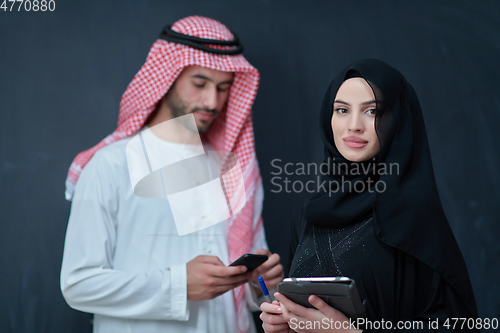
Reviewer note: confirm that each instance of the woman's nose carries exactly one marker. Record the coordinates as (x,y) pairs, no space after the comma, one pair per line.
(356,123)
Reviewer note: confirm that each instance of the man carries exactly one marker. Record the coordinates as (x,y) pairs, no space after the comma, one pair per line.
(123,258)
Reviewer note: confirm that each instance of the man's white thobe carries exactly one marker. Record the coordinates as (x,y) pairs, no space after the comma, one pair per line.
(124,261)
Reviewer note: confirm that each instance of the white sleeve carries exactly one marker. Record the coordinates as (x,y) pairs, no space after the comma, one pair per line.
(88,281)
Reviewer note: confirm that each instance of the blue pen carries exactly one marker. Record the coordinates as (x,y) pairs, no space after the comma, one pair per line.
(264,290)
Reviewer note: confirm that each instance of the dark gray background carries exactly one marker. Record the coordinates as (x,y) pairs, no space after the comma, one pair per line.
(62,74)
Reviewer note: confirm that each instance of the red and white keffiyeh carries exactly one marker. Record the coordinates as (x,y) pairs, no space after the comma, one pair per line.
(232,131)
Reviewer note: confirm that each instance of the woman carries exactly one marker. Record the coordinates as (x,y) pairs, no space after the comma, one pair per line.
(384,226)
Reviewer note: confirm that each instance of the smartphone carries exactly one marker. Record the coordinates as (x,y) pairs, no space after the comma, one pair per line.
(251,261)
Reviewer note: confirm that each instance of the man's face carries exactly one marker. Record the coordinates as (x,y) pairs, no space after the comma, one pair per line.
(200,91)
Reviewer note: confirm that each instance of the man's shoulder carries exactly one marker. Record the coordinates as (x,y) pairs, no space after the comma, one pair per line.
(112,154)
(107,166)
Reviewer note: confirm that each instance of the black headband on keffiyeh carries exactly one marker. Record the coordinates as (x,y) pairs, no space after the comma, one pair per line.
(201,43)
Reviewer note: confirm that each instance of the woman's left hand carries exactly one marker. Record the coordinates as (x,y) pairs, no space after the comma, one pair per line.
(302,319)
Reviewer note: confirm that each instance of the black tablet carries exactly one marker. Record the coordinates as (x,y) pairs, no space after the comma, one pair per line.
(338,292)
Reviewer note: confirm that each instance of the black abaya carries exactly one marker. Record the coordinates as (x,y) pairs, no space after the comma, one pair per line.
(395,285)
(396,243)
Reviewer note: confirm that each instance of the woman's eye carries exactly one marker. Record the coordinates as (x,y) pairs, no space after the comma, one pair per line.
(372,111)
(200,85)
(221,89)
(341,110)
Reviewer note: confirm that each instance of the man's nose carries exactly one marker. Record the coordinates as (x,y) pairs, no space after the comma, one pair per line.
(210,98)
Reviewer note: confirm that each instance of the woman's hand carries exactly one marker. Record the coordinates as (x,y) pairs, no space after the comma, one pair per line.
(302,319)
(272,318)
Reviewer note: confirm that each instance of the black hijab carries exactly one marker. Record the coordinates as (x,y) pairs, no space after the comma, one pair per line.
(407,214)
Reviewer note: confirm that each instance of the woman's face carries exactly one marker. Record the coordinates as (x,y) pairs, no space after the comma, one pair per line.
(353,121)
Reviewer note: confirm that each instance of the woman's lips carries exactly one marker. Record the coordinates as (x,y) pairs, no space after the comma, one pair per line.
(355,142)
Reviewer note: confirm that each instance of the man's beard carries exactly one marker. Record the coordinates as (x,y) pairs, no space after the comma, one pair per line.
(179,108)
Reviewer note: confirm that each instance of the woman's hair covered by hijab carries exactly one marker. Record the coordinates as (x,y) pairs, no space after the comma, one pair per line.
(405,204)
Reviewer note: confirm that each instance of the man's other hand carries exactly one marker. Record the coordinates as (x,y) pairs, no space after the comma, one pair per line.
(271,270)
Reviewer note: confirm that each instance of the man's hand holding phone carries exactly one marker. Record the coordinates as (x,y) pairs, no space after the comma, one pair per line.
(271,270)
(208,277)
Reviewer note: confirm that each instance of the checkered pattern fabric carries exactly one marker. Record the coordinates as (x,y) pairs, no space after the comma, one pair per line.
(232,131)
